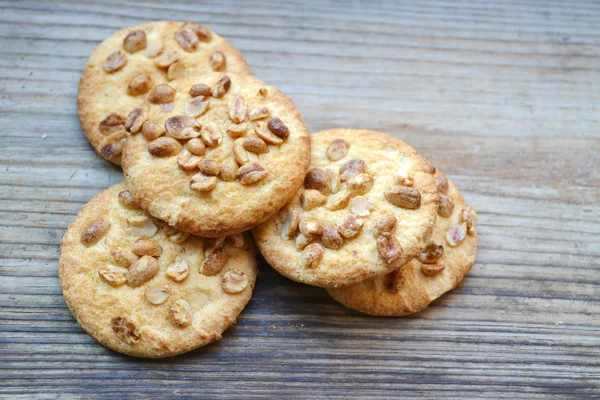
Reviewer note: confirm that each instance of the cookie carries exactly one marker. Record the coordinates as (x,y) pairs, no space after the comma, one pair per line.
(145,289)
(444,263)
(367,207)
(128,67)
(228,156)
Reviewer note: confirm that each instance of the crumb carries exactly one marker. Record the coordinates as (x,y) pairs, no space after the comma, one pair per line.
(44,136)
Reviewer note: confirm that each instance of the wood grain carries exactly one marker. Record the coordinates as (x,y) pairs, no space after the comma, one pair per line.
(502,96)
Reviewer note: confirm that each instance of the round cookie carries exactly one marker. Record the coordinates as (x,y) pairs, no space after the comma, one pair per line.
(123,69)
(228,156)
(367,206)
(447,259)
(145,289)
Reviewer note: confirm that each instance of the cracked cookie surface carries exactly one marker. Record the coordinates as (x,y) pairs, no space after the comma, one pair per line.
(143,288)
(122,71)
(226,157)
(367,206)
(443,264)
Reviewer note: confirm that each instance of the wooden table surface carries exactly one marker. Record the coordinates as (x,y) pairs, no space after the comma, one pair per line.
(501,96)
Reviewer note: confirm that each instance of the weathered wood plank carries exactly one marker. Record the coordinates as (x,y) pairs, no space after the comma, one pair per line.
(503,97)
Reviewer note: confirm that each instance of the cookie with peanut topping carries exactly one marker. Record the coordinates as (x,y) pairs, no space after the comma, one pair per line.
(366,207)
(142,288)
(230,153)
(128,68)
(439,268)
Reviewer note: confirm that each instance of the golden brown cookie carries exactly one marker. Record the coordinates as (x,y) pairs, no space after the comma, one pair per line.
(145,289)
(228,156)
(444,263)
(367,206)
(122,71)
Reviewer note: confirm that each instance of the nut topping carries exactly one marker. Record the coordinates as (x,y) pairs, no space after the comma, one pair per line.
(289,228)
(432,253)
(177,70)
(351,168)
(468,216)
(203,183)
(268,136)
(142,271)
(177,237)
(139,84)
(234,281)
(115,61)
(446,206)
(385,223)
(238,109)
(388,247)
(209,167)
(394,281)
(222,87)
(334,178)
(259,113)
(351,226)
(404,178)
(113,275)
(178,271)
(187,39)
(239,152)
(255,145)
(200,90)
(403,197)
(146,247)
(135,41)
(337,149)
(161,94)
(153,49)
(331,237)
(197,106)
(236,240)
(136,120)
(181,313)
(311,255)
(111,123)
(126,200)
(196,146)
(141,226)
(164,146)
(278,127)
(125,329)
(429,168)
(456,233)
(318,179)
(187,161)
(214,262)
(442,183)
(122,256)
(361,206)
(152,130)
(157,294)
(432,269)
(217,61)
(312,198)
(311,228)
(338,201)
(229,170)
(250,173)
(237,130)
(113,147)
(360,184)
(302,241)
(164,60)
(211,134)
(182,127)
(204,34)
(263,92)
(95,232)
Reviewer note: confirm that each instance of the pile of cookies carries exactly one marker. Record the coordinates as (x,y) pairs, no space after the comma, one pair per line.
(163,262)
